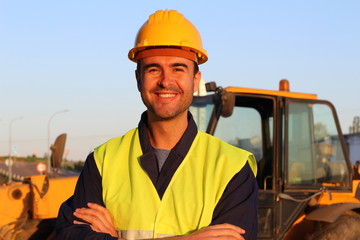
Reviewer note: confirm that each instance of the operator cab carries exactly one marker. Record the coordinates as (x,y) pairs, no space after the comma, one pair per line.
(296,141)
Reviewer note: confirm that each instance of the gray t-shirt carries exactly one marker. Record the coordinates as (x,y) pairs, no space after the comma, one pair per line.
(161,156)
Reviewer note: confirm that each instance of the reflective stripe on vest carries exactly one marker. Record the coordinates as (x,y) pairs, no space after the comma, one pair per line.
(192,194)
(140,234)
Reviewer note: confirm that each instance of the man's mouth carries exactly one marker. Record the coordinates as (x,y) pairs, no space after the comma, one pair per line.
(166,95)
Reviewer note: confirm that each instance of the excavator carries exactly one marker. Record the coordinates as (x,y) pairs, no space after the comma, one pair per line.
(28,208)
(308,188)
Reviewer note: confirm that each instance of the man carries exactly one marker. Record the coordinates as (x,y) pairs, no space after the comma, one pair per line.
(164,178)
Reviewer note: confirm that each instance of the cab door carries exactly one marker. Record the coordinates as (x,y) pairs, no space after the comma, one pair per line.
(314,157)
(314,149)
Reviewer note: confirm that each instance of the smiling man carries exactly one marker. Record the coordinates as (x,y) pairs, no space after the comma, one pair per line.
(164,178)
(166,85)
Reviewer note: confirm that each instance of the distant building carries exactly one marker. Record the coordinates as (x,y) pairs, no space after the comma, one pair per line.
(352,140)
(355,128)
(353,146)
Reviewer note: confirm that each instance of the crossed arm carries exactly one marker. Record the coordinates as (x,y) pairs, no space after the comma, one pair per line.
(99,220)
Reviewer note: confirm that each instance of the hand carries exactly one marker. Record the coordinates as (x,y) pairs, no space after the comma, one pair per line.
(217,232)
(98,219)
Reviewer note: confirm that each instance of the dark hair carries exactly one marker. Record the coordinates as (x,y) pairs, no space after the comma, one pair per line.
(196,67)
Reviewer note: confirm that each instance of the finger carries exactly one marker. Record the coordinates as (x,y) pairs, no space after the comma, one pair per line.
(225,233)
(96,206)
(95,223)
(91,226)
(98,217)
(221,231)
(229,233)
(93,217)
(83,223)
(79,222)
(105,217)
(87,211)
(102,210)
(98,214)
(86,216)
(227,226)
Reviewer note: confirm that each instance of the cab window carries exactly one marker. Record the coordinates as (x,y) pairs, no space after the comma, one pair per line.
(315,155)
(250,127)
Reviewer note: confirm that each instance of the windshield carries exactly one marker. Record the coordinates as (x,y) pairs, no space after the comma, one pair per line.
(250,127)
(201,109)
(315,155)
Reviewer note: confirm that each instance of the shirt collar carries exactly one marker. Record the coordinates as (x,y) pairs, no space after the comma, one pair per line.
(182,147)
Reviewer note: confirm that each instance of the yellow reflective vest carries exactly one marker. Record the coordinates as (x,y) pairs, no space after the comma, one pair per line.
(190,198)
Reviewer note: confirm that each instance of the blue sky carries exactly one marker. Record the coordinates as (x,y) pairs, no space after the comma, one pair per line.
(57,55)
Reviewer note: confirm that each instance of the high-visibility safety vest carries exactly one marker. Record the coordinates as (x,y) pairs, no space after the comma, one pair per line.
(190,198)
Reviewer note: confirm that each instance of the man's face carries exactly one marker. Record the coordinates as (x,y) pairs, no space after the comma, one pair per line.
(167,85)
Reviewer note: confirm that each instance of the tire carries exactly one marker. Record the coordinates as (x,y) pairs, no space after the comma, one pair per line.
(346,227)
(36,229)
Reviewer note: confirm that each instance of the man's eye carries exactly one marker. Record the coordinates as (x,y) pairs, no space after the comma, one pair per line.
(152,70)
(178,69)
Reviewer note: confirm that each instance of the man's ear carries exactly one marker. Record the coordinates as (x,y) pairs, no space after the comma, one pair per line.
(197,79)
(137,76)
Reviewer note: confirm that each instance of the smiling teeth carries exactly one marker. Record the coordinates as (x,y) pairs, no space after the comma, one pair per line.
(167,95)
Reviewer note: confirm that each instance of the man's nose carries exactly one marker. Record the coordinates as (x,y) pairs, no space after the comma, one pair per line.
(166,79)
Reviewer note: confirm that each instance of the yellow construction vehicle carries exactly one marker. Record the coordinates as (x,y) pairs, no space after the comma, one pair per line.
(307,186)
(28,208)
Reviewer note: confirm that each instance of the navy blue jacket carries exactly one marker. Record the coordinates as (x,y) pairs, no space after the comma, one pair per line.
(237,206)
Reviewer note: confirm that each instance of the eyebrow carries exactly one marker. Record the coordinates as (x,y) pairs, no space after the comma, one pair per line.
(151,65)
(147,66)
(180,65)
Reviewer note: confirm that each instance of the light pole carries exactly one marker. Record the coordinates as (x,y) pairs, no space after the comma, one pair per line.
(48,155)
(10,161)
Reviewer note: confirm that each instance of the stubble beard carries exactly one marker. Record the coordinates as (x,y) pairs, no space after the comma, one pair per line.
(161,113)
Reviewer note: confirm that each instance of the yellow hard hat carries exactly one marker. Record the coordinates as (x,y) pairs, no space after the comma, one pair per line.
(168,29)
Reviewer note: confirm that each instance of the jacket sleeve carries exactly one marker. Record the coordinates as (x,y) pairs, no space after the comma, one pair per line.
(238,204)
(88,189)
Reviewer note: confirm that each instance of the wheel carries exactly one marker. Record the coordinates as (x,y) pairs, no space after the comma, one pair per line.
(346,227)
(36,229)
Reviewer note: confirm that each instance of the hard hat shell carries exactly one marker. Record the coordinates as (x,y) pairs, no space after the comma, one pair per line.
(168,28)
